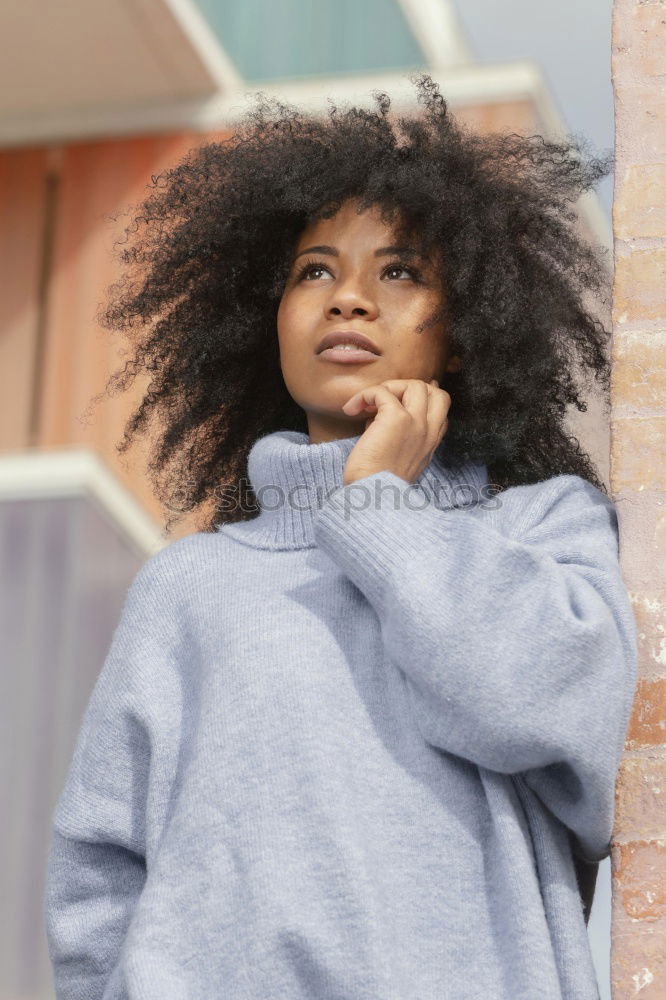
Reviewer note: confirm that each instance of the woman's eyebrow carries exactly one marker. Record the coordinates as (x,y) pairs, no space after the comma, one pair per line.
(382,252)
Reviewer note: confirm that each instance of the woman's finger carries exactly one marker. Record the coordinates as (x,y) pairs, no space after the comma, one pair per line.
(377,396)
(415,397)
(438,409)
(396,385)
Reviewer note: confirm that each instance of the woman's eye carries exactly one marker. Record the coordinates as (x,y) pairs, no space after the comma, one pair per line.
(400,267)
(310,268)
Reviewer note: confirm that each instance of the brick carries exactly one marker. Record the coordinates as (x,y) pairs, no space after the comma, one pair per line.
(640,123)
(638,957)
(647,726)
(639,291)
(640,799)
(640,118)
(649,29)
(642,524)
(639,878)
(637,447)
(650,613)
(639,207)
(639,369)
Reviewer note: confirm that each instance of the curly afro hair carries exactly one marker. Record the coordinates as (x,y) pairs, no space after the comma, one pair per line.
(207,256)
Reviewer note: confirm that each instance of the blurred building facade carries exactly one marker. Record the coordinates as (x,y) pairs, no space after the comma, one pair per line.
(96,99)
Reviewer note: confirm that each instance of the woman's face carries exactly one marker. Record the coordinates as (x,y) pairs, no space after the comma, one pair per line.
(349,280)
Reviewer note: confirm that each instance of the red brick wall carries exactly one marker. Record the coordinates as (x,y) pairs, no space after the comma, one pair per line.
(638,484)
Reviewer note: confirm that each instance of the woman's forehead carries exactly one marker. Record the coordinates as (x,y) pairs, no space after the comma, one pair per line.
(348,222)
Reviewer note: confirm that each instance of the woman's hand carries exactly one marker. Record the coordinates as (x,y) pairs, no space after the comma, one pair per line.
(409,422)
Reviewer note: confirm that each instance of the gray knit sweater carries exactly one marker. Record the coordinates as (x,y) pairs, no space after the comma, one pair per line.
(351,749)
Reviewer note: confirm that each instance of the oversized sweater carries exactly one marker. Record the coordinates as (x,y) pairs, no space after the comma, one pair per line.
(351,748)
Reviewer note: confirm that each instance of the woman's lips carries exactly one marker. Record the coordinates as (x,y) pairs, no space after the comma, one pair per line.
(347,355)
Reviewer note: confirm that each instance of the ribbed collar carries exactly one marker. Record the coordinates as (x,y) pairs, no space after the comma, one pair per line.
(292,478)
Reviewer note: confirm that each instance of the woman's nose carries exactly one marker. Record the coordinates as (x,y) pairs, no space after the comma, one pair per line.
(351,300)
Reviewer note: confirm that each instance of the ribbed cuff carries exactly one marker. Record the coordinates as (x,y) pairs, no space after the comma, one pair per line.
(375,526)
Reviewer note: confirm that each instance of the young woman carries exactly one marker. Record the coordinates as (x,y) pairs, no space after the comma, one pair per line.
(358,736)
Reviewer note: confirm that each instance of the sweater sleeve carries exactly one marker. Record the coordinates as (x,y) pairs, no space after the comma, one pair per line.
(518,642)
(97,865)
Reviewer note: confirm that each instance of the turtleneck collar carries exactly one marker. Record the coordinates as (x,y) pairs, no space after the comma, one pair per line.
(291,479)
